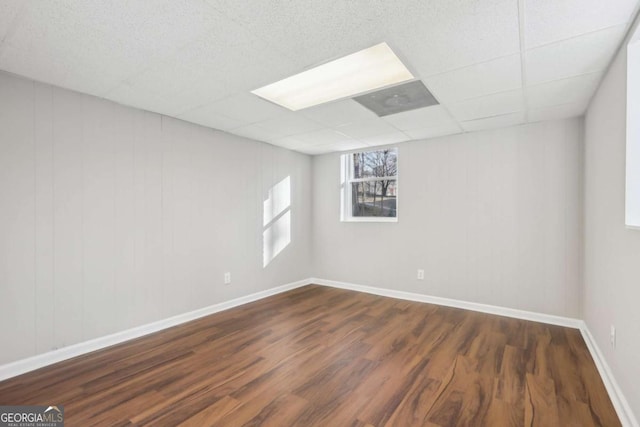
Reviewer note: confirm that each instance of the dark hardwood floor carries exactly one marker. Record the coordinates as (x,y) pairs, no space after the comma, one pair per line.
(318,356)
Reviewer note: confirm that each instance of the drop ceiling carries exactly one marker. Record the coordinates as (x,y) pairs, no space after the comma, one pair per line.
(489,63)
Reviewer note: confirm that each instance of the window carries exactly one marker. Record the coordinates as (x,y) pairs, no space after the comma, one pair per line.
(370,186)
(632,198)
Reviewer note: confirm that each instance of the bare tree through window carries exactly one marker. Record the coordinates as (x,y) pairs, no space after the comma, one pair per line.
(373,181)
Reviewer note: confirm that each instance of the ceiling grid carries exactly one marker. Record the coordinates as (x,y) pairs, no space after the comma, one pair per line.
(489,63)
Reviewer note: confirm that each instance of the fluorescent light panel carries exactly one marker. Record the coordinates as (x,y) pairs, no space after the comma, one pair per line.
(366,70)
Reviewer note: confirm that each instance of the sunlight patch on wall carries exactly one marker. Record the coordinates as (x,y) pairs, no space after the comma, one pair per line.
(276,221)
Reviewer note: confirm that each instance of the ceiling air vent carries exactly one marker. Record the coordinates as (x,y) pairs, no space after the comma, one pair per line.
(397,99)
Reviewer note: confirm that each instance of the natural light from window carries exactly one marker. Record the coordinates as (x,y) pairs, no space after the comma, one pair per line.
(632,199)
(369,186)
(276,221)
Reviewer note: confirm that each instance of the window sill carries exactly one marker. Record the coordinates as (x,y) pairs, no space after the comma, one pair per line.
(369,219)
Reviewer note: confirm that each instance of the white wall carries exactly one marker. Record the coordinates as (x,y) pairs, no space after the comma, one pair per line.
(112,217)
(492,217)
(612,252)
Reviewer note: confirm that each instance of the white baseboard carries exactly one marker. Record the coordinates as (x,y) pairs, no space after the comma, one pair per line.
(467,305)
(623,409)
(41,360)
(621,405)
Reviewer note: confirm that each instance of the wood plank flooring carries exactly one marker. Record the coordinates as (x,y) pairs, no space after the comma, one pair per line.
(318,356)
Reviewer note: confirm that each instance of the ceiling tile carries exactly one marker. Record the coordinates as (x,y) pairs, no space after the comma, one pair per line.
(157,28)
(338,113)
(434,132)
(498,75)
(312,33)
(565,91)
(236,59)
(487,106)
(289,142)
(293,143)
(137,98)
(548,21)
(174,82)
(421,118)
(287,124)
(46,47)
(313,151)
(205,116)
(322,137)
(505,120)
(329,148)
(387,138)
(45,68)
(91,45)
(556,112)
(253,131)
(309,33)
(366,128)
(438,36)
(277,128)
(246,107)
(9,10)
(578,55)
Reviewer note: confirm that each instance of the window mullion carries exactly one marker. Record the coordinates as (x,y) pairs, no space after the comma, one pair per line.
(377,178)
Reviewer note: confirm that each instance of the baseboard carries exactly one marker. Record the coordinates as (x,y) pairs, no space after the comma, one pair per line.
(623,409)
(41,360)
(467,305)
(621,405)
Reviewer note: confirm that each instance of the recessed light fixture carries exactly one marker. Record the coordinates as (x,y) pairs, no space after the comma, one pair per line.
(366,70)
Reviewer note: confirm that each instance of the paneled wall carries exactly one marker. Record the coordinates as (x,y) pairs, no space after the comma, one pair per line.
(612,251)
(493,217)
(112,217)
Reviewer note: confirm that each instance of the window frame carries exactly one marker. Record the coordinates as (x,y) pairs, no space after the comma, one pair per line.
(632,149)
(346,189)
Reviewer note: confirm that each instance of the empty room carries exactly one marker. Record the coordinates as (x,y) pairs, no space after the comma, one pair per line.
(329,213)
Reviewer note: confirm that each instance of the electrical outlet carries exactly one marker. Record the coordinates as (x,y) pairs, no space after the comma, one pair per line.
(227,278)
(420,274)
(612,336)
